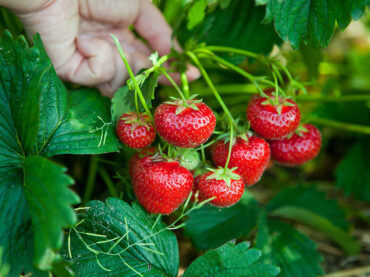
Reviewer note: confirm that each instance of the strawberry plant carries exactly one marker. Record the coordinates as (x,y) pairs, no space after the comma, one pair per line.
(258,168)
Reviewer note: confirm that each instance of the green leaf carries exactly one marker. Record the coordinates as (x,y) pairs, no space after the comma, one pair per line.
(325,215)
(236,26)
(123,100)
(352,173)
(148,89)
(311,20)
(126,227)
(15,229)
(37,118)
(210,226)
(82,132)
(284,246)
(231,260)
(196,13)
(49,202)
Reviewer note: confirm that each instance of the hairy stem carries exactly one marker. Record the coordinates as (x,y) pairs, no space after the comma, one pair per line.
(132,76)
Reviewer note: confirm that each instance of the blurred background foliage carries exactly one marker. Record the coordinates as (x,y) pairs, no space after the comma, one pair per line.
(308,220)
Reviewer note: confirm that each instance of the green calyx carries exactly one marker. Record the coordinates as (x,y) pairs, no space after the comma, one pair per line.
(225,174)
(136,120)
(277,101)
(184,104)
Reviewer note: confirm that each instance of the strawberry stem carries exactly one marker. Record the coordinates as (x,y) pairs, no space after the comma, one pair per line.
(203,153)
(132,76)
(164,72)
(211,86)
(233,50)
(185,84)
(248,89)
(341,125)
(230,148)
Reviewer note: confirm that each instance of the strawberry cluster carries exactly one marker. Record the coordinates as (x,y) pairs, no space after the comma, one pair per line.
(163,182)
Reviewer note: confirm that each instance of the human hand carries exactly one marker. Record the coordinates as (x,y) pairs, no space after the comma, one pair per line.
(76,35)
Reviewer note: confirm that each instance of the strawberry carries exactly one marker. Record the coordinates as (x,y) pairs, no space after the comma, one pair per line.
(135,130)
(250,155)
(184,123)
(161,186)
(226,186)
(138,157)
(188,158)
(273,120)
(301,147)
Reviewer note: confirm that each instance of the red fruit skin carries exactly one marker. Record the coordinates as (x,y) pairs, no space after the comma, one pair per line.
(188,129)
(250,157)
(266,121)
(135,135)
(297,150)
(162,186)
(139,156)
(225,196)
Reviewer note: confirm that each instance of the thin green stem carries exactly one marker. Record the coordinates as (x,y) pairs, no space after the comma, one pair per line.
(210,84)
(232,50)
(203,153)
(230,148)
(93,167)
(185,84)
(108,181)
(253,79)
(276,100)
(136,103)
(250,89)
(341,125)
(164,72)
(132,76)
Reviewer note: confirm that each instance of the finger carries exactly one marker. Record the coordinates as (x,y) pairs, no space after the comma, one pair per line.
(91,64)
(57,23)
(137,61)
(151,25)
(125,36)
(118,12)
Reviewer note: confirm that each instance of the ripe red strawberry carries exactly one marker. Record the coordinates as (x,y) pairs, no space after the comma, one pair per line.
(138,157)
(273,121)
(227,187)
(184,123)
(135,130)
(161,186)
(250,156)
(301,147)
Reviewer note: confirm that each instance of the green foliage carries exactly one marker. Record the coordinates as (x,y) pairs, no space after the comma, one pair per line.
(311,20)
(231,260)
(86,128)
(353,174)
(235,26)
(196,13)
(123,100)
(49,201)
(283,245)
(210,226)
(39,117)
(311,207)
(116,239)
